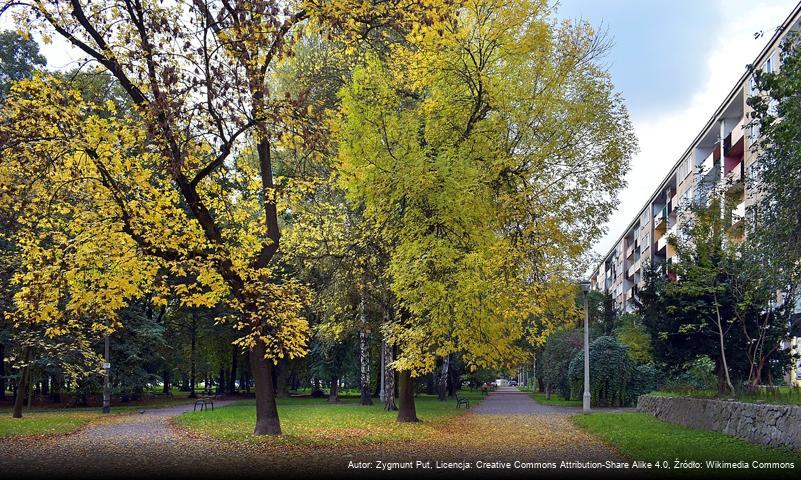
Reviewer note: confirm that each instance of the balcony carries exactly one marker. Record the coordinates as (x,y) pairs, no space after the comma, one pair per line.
(660,219)
(733,164)
(709,162)
(738,132)
(633,268)
(662,243)
(630,250)
(738,214)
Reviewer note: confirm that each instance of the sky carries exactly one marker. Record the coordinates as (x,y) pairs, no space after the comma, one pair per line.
(674,61)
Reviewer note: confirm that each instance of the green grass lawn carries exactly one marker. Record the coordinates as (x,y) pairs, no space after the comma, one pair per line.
(56,421)
(555,400)
(780,396)
(313,421)
(46,422)
(639,436)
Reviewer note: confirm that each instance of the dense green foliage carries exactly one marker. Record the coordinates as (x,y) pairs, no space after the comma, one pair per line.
(559,350)
(611,371)
(721,304)
(633,334)
(777,118)
(19,57)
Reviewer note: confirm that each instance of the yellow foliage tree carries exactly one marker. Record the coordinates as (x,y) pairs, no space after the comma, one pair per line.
(490,146)
(184,183)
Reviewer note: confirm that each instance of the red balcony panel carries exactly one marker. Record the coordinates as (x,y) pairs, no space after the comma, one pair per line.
(734,156)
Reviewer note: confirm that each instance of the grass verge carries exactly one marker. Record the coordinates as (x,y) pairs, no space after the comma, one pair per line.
(313,421)
(38,423)
(639,436)
(555,400)
(58,421)
(775,395)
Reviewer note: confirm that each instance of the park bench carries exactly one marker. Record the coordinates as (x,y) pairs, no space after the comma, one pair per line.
(204,403)
(461,401)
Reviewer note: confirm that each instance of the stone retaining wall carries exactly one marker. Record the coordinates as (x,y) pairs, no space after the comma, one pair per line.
(772,425)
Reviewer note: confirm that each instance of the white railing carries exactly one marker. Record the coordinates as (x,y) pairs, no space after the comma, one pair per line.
(739,211)
(709,163)
(737,132)
(634,268)
(662,242)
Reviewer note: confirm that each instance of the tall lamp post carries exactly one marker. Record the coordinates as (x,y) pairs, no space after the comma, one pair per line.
(585,289)
(106,380)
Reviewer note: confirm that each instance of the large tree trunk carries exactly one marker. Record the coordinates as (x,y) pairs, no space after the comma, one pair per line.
(332,393)
(192,358)
(453,383)
(282,379)
(382,378)
(2,372)
(221,383)
(442,379)
(55,388)
(266,410)
(389,379)
(364,354)
(22,386)
(244,378)
(407,411)
(232,376)
(165,378)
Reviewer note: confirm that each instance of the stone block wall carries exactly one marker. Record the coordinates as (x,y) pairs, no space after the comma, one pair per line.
(772,425)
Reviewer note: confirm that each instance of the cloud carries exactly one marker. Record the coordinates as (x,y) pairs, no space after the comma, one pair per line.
(665,132)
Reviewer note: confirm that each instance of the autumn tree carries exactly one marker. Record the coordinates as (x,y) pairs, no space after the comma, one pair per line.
(489,146)
(184,185)
(19,57)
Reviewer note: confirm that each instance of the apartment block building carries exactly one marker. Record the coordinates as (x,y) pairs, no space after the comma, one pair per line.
(720,156)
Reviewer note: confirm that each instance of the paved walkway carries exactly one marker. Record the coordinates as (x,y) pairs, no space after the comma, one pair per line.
(139,430)
(511,401)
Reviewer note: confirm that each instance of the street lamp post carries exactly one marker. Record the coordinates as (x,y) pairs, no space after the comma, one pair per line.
(585,288)
(106,381)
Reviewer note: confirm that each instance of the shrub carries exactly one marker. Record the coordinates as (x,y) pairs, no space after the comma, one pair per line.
(696,375)
(635,336)
(560,348)
(645,379)
(611,370)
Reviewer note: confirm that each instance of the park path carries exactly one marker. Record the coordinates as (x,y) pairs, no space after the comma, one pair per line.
(511,401)
(506,427)
(150,427)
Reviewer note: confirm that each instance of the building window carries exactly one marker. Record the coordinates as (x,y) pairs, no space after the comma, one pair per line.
(684,169)
(753,131)
(752,174)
